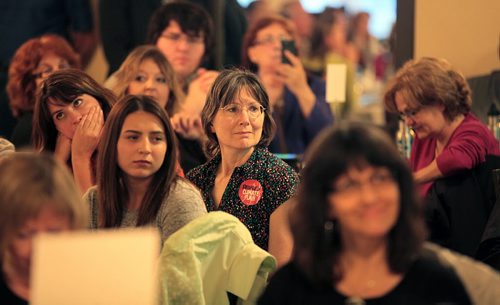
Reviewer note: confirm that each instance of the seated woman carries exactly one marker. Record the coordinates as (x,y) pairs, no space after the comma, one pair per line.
(38,196)
(147,71)
(243,178)
(358,233)
(435,101)
(32,63)
(68,119)
(297,101)
(137,183)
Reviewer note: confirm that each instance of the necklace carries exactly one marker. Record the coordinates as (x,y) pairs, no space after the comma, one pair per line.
(354,301)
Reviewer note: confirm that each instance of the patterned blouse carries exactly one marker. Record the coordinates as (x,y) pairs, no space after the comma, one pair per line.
(254,191)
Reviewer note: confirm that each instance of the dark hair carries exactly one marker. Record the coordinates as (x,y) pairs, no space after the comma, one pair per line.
(62,87)
(226,87)
(331,154)
(251,35)
(111,189)
(430,81)
(21,87)
(193,20)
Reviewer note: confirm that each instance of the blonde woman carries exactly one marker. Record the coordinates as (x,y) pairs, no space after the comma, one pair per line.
(146,71)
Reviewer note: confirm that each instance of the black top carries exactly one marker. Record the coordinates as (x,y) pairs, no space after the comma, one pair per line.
(8,297)
(427,282)
(190,153)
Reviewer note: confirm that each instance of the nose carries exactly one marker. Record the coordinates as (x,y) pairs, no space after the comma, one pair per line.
(183,44)
(144,146)
(75,116)
(367,193)
(150,83)
(244,117)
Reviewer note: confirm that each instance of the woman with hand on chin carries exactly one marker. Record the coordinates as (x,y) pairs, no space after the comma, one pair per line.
(68,119)
(243,178)
(137,182)
(435,101)
(297,100)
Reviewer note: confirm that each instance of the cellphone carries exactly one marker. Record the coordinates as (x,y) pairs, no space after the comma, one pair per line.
(290,46)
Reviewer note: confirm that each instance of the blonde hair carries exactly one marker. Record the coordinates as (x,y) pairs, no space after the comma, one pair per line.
(30,182)
(130,67)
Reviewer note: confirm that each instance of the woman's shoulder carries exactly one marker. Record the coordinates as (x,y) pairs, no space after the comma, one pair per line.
(91,194)
(480,281)
(184,193)
(202,171)
(276,167)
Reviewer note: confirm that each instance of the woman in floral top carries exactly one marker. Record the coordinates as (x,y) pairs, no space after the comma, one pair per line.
(242,178)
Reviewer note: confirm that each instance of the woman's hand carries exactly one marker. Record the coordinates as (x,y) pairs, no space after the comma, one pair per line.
(63,148)
(198,90)
(87,134)
(295,78)
(188,125)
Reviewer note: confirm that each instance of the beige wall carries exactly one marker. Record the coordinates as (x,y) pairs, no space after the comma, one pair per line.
(466,32)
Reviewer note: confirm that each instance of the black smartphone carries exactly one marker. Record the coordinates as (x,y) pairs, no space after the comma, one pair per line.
(290,46)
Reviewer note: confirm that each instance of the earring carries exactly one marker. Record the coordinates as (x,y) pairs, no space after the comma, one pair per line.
(329,227)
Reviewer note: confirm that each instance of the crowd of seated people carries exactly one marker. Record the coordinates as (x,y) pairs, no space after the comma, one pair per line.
(167,143)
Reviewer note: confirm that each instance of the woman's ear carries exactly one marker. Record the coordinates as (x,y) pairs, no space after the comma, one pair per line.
(251,54)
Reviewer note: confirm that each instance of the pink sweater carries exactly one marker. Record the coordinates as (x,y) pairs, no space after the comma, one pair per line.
(468,146)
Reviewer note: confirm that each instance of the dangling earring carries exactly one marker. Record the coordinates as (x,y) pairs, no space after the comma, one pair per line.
(329,227)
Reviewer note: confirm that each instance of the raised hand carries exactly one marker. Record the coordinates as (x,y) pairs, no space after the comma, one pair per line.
(198,91)
(88,133)
(188,125)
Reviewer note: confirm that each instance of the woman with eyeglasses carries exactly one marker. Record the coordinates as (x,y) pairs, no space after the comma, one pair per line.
(434,99)
(32,63)
(297,100)
(242,178)
(359,233)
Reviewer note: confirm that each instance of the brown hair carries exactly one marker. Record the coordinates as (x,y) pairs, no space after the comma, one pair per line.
(430,81)
(251,35)
(226,87)
(21,86)
(31,182)
(111,188)
(63,87)
(130,67)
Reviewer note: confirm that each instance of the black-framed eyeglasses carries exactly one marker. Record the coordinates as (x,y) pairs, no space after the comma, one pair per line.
(409,113)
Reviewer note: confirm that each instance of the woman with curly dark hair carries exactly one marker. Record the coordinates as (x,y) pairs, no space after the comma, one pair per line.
(32,63)
(358,233)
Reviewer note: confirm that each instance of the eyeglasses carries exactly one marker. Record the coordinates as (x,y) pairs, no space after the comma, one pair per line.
(235,110)
(269,40)
(175,38)
(46,71)
(409,113)
(377,181)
